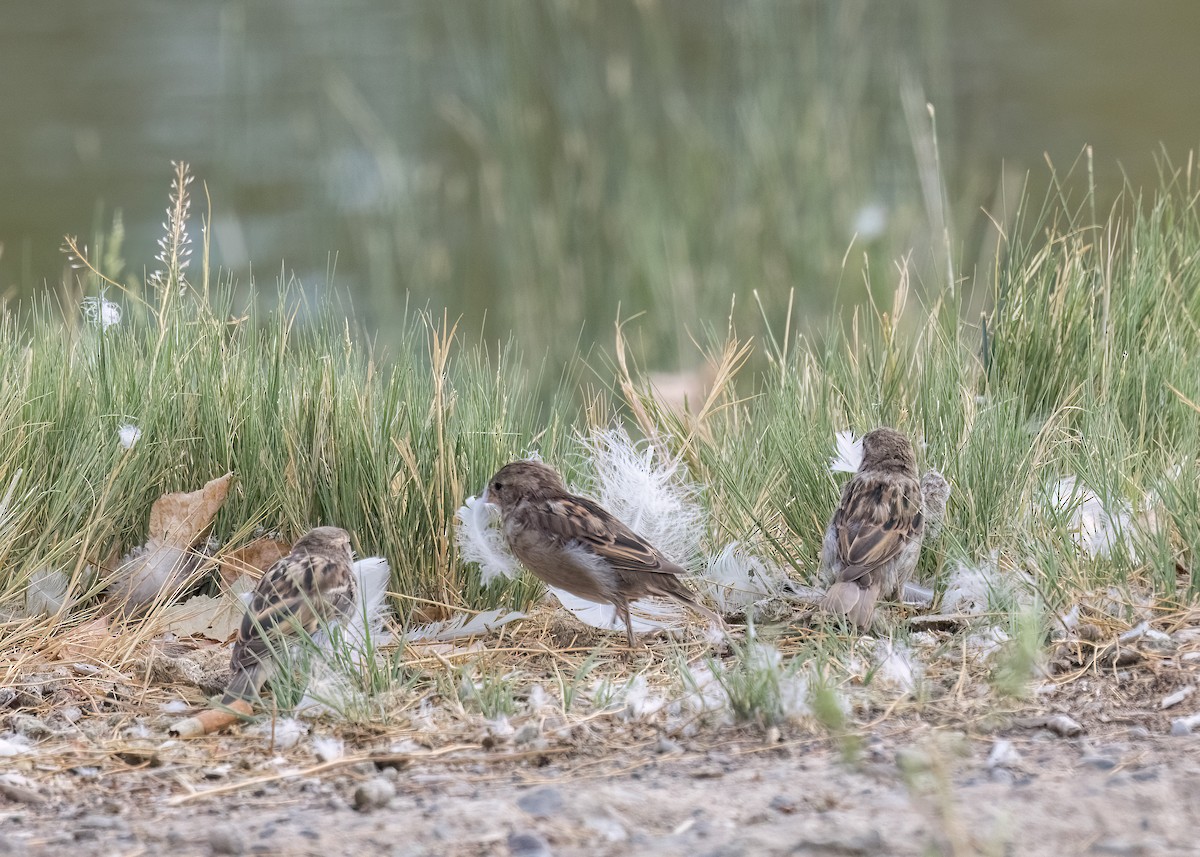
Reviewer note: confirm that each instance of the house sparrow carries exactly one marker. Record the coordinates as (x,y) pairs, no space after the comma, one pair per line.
(303,591)
(572,543)
(874,539)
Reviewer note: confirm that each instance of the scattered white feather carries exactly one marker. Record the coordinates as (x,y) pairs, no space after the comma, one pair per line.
(640,702)
(1098,530)
(986,643)
(101,311)
(734,580)
(284,732)
(328,747)
(896,666)
(331,693)
(645,614)
(1003,755)
(481,541)
(500,727)
(463,625)
(13,745)
(977,589)
(147,573)
(537,698)
(705,693)
(795,696)
(128,435)
(917,594)
(847,453)
(46,592)
(651,494)
(175,706)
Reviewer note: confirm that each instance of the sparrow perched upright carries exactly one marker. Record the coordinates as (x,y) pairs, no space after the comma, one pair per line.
(874,539)
(574,544)
(303,591)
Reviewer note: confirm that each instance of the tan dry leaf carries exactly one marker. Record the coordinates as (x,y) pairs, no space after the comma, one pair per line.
(253,558)
(157,569)
(215,618)
(178,520)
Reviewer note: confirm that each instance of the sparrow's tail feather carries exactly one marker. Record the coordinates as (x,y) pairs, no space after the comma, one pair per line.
(245,684)
(856,603)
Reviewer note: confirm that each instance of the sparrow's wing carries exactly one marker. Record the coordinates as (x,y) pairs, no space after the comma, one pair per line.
(578,520)
(879,514)
(297,593)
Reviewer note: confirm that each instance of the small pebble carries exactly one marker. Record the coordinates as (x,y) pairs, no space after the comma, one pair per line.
(1063,726)
(784,803)
(225,839)
(1139,732)
(1099,762)
(541,803)
(374,793)
(1181,726)
(527,844)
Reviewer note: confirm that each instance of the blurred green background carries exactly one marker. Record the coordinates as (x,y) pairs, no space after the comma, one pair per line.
(542,164)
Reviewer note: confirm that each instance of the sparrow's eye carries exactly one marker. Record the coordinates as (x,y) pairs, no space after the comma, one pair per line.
(497,485)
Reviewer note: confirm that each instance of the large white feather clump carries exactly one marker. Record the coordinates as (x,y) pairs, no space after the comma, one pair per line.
(650,493)
(736,579)
(349,644)
(645,614)
(1098,529)
(481,541)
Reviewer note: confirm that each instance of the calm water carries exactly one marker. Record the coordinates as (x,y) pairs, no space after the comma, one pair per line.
(451,149)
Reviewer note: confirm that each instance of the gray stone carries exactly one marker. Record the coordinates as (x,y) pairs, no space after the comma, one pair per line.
(541,803)
(785,804)
(851,843)
(1184,725)
(1099,762)
(374,793)
(226,839)
(526,843)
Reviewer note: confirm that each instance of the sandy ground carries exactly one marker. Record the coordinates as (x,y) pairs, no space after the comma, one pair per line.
(1101,758)
(919,791)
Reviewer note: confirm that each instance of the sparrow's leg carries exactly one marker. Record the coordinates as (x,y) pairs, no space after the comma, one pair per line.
(623,612)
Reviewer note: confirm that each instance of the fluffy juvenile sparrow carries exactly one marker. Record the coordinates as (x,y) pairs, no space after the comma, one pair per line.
(310,587)
(572,543)
(874,540)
